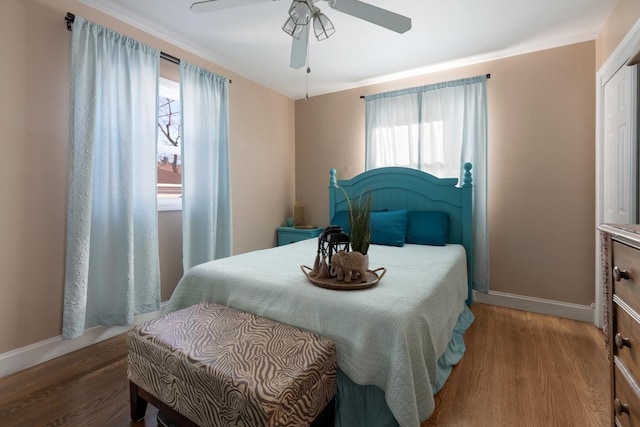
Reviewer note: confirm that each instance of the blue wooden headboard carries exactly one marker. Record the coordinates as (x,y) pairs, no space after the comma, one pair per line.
(404,188)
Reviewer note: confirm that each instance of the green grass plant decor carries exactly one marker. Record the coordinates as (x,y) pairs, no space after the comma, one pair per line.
(359,217)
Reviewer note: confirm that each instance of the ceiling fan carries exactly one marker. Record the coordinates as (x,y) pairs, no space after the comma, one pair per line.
(304,14)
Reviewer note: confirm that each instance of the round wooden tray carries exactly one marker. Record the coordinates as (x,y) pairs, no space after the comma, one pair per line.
(332,283)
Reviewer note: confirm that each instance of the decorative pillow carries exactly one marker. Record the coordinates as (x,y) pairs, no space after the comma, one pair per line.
(388,227)
(341,218)
(428,228)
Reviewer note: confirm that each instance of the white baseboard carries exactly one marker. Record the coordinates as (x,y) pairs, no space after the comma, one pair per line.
(43,351)
(566,310)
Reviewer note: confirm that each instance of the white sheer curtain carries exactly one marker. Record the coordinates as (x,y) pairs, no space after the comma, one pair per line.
(112,265)
(437,128)
(206,188)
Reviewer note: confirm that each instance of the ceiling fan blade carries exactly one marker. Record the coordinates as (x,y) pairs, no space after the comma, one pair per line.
(299,49)
(211,5)
(373,14)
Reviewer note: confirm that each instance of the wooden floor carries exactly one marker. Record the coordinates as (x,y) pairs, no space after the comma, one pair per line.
(520,369)
(527,370)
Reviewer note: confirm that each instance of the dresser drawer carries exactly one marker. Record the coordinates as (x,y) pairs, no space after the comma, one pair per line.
(627,400)
(627,338)
(626,260)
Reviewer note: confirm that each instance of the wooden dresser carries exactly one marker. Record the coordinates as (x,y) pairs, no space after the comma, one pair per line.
(621,276)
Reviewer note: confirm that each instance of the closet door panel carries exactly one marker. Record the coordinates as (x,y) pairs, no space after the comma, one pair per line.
(620,153)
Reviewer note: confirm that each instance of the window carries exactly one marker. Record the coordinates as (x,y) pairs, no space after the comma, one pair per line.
(436,128)
(168,153)
(418,146)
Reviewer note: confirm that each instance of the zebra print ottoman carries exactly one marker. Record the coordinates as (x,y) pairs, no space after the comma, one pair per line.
(211,365)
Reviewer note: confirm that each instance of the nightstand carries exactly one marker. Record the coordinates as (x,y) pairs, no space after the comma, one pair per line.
(288,235)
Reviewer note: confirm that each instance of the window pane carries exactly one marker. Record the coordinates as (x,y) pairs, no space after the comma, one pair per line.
(395,146)
(169,158)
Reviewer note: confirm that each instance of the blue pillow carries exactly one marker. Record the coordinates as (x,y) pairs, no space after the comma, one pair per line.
(388,227)
(341,218)
(428,228)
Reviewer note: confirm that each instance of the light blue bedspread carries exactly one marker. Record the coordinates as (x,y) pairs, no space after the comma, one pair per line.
(391,335)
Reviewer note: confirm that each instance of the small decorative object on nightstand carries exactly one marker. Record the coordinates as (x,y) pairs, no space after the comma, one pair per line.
(288,235)
(298,213)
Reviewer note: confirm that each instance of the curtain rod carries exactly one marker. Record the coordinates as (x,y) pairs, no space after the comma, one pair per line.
(488,76)
(70,18)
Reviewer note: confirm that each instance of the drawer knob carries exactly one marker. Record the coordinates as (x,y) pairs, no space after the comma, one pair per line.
(621,342)
(619,407)
(620,274)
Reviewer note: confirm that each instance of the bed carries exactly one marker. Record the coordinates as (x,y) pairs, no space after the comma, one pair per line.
(397,341)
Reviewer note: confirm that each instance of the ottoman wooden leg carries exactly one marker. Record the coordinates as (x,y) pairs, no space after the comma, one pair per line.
(139,398)
(138,404)
(327,416)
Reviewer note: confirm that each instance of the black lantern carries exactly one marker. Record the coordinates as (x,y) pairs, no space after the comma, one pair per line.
(332,240)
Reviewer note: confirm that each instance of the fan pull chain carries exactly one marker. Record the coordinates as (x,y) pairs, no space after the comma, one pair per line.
(306,76)
(307,83)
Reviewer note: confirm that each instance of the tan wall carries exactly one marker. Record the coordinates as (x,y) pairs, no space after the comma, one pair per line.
(622,18)
(34,83)
(541,165)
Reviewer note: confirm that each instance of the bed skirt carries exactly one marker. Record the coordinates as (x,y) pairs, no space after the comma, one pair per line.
(365,405)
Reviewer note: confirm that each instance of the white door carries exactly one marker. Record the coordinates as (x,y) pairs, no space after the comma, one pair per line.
(619,148)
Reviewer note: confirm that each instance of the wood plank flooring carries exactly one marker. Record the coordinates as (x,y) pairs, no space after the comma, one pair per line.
(88,387)
(520,369)
(527,370)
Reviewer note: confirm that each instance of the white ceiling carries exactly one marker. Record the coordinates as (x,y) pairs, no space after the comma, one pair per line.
(248,40)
